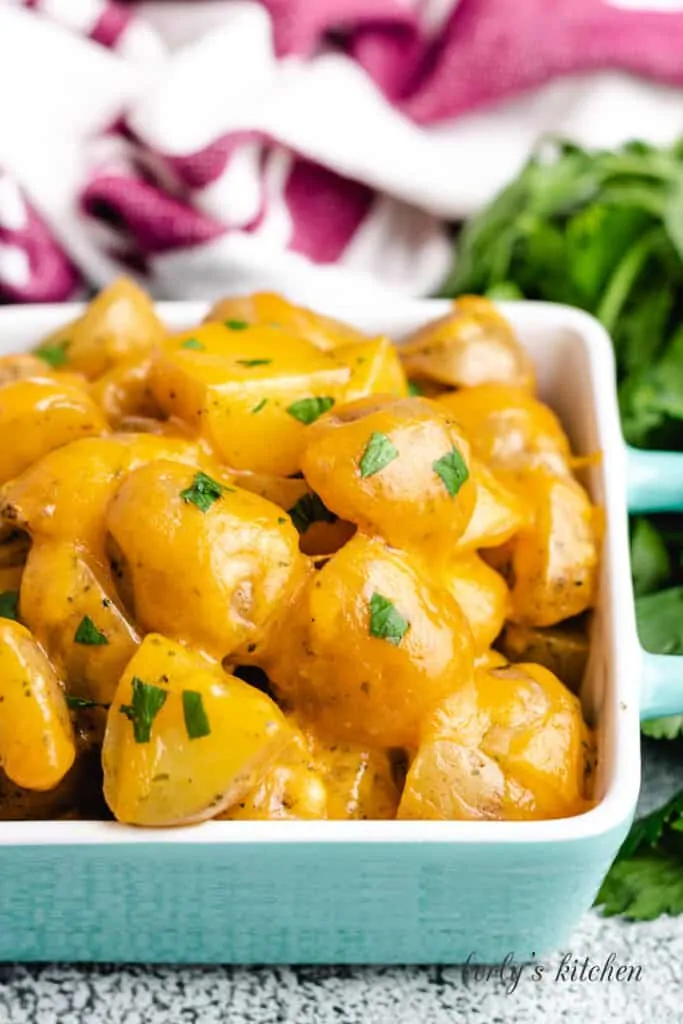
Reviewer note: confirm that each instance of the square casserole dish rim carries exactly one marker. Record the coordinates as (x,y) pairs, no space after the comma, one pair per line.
(622,748)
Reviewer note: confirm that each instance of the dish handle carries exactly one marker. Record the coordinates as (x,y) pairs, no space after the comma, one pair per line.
(661,692)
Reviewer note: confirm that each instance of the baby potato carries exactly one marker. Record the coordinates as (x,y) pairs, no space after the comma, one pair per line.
(471,345)
(498,514)
(70,606)
(63,495)
(184,739)
(358,781)
(37,745)
(370,647)
(21,366)
(40,414)
(270,310)
(511,744)
(291,788)
(481,593)
(562,649)
(124,391)
(509,428)
(552,562)
(249,392)
(376,369)
(490,658)
(209,564)
(321,532)
(397,467)
(120,325)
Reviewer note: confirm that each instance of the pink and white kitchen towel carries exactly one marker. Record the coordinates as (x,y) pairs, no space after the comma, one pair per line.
(215,145)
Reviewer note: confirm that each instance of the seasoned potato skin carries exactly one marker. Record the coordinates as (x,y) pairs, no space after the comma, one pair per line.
(406,501)
(480,592)
(509,745)
(37,746)
(172,778)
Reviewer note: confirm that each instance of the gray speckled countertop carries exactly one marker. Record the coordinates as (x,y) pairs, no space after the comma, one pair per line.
(310,995)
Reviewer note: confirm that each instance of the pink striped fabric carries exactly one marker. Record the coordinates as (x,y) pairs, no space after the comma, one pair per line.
(433,61)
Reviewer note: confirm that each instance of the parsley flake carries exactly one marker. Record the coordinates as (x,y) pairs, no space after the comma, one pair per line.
(310,509)
(259,406)
(147,702)
(415,389)
(9,603)
(196,721)
(379,452)
(53,355)
(88,633)
(193,343)
(236,325)
(254,362)
(203,492)
(386,623)
(453,471)
(76,703)
(307,410)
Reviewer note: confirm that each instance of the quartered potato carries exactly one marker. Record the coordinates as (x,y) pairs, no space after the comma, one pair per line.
(118,326)
(124,391)
(481,593)
(471,345)
(376,369)
(267,309)
(40,414)
(499,512)
(370,647)
(551,564)
(510,429)
(511,744)
(37,746)
(21,366)
(250,392)
(184,739)
(70,604)
(208,564)
(397,467)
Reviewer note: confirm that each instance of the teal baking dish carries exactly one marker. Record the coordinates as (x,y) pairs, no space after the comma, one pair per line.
(371,892)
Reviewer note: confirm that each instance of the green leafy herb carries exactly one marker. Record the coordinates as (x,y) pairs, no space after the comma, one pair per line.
(452,470)
(646,879)
(9,604)
(378,453)
(203,492)
(415,388)
(193,343)
(310,509)
(254,362)
(307,410)
(147,702)
(650,562)
(660,621)
(53,355)
(88,633)
(236,325)
(386,623)
(669,728)
(259,406)
(196,721)
(77,703)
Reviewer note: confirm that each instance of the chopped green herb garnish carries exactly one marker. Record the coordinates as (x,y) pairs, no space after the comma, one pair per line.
(237,325)
(9,603)
(193,343)
(254,362)
(196,721)
(453,471)
(54,355)
(76,703)
(310,509)
(307,410)
(414,389)
(203,492)
(281,519)
(379,452)
(147,702)
(259,406)
(88,633)
(386,623)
